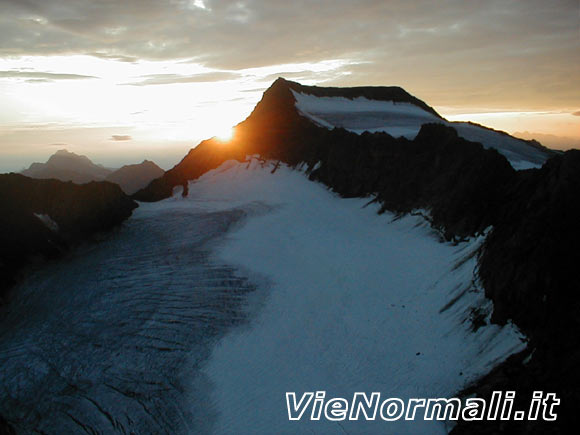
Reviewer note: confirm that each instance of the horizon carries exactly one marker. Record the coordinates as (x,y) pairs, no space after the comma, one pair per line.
(150,80)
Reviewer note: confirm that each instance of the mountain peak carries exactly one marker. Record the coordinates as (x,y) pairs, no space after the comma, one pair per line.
(64,152)
(67,166)
(394,94)
(131,178)
(296,123)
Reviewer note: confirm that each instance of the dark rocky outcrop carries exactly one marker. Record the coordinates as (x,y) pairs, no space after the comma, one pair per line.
(527,262)
(458,182)
(5,428)
(528,268)
(41,219)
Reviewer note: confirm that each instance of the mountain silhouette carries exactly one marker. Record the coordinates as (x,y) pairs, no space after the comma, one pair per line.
(132,178)
(67,166)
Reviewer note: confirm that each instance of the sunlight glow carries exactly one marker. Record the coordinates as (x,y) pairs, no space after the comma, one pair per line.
(225,135)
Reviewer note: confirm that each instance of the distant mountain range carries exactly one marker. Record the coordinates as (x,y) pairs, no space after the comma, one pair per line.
(550,140)
(67,166)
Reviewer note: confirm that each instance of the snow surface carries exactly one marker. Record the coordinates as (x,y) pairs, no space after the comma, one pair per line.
(47,221)
(200,313)
(107,340)
(361,114)
(354,297)
(405,119)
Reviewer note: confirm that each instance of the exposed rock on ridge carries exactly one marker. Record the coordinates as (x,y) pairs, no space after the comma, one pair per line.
(43,218)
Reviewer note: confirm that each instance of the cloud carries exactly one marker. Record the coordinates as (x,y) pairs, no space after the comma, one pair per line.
(120,137)
(117,57)
(167,79)
(265,32)
(441,51)
(39,77)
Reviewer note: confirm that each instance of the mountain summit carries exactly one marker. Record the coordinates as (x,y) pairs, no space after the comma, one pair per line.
(131,178)
(67,166)
(294,123)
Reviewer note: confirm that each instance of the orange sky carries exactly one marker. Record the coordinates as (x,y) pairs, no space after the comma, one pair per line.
(125,81)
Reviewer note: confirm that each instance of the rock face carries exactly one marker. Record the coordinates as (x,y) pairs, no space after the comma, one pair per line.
(526,265)
(528,268)
(41,219)
(66,166)
(5,428)
(132,178)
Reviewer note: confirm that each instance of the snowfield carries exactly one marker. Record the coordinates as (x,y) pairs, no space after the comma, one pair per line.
(357,302)
(405,119)
(361,114)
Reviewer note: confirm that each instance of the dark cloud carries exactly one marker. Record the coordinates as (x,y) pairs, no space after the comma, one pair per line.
(34,76)
(167,79)
(120,137)
(262,32)
(441,50)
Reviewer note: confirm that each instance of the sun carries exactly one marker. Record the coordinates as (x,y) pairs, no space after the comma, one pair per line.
(225,134)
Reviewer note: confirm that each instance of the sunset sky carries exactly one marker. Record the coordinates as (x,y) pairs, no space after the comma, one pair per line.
(121,81)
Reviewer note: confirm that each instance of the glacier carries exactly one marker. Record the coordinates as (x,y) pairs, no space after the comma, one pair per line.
(199,313)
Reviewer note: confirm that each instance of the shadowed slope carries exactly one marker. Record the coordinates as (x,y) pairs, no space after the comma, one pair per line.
(42,218)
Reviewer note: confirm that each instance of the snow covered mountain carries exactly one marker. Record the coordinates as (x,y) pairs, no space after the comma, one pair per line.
(298,257)
(295,123)
(404,119)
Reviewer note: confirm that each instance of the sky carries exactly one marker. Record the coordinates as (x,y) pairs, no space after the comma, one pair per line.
(124,81)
